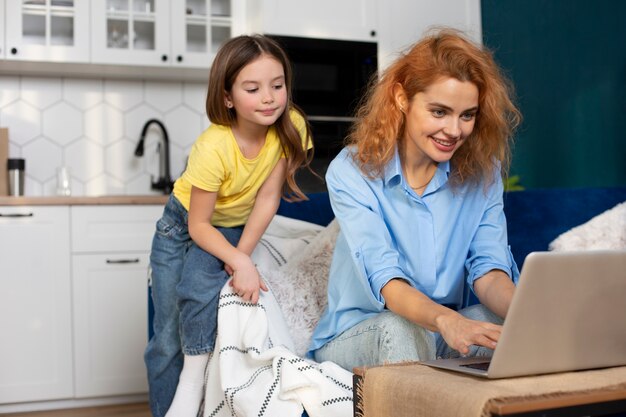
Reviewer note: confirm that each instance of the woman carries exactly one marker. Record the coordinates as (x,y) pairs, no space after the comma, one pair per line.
(418,196)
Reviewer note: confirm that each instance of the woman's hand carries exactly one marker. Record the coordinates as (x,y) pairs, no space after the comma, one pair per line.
(460,332)
(246,281)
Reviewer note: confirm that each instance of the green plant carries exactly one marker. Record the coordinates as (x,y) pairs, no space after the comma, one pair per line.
(513,184)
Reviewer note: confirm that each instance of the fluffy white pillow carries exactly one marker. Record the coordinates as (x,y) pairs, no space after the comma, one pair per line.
(605,231)
(300,286)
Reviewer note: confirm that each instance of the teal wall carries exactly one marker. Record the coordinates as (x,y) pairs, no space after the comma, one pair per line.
(567,60)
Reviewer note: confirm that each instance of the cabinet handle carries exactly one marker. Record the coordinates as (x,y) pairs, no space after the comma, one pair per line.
(163,57)
(16,215)
(123,261)
(373,33)
(179,58)
(14,51)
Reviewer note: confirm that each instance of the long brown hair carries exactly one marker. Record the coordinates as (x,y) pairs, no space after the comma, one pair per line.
(230,59)
(380,122)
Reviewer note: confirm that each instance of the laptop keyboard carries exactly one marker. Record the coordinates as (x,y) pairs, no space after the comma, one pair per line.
(483,366)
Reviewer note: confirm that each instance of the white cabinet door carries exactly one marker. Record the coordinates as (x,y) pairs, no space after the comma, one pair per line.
(35,304)
(130,32)
(326,19)
(110,323)
(47,30)
(199,27)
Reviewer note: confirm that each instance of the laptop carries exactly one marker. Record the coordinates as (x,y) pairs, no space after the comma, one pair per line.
(568,313)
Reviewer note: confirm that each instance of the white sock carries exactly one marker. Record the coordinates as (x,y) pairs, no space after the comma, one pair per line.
(190,389)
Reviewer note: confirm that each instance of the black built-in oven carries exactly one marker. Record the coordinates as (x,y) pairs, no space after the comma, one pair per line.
(330,77)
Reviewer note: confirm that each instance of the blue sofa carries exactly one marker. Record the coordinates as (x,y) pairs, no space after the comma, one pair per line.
(534,217)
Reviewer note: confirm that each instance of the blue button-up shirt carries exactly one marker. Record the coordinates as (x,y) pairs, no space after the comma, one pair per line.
(435,242)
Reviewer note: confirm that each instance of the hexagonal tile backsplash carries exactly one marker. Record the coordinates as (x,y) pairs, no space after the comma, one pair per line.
(91,126)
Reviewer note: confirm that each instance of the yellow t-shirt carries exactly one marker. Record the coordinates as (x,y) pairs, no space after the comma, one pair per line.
(217,164)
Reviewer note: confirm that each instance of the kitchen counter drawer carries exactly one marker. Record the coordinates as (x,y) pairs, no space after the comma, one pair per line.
(113,228)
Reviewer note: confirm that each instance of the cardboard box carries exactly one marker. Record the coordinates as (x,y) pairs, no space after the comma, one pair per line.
(4,155)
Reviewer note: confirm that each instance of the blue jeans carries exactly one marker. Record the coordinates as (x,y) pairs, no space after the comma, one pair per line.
(390,338)
(186,282)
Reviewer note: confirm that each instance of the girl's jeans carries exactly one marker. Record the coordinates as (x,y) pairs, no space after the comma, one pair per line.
(186,283)
(389,338)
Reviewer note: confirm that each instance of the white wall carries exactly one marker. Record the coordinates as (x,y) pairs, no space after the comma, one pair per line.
(402,22)
(93,125)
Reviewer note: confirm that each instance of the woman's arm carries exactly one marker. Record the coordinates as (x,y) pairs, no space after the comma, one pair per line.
(495,290)
(458,332)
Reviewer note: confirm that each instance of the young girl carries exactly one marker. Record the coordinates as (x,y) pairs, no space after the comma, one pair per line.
(238,169)
(423,172)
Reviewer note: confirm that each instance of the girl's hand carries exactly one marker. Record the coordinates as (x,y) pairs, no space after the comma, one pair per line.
(460,332)
(246,282)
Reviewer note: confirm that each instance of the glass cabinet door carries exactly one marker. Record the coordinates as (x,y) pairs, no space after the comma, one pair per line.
(199,28)
(47,30)
(130,32)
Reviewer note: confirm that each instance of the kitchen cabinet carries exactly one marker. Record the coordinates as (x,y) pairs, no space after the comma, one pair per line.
(47,30)
(110,323)
(73,298)
(35,301)
(110,262)
(182,33)
(326,19)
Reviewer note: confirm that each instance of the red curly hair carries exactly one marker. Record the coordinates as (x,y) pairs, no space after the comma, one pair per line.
(380,121)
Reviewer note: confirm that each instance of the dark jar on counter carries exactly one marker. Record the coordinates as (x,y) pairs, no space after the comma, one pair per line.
(16,168)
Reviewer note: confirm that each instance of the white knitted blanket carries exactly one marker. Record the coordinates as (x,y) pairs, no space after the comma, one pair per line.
(253,371)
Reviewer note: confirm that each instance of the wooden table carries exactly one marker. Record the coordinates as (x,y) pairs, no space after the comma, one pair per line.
(555,395)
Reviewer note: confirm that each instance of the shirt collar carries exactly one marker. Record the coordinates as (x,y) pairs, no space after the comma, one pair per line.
(393,173)
(393,170)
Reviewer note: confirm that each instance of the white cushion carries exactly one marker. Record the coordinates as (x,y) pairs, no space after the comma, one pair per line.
(300,286)
(605,231)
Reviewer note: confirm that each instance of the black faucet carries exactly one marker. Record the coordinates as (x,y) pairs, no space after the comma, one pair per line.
(164,182)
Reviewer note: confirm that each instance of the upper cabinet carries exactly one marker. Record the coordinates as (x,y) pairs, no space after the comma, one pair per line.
(326,19)
(47,30)
(178,39)
(200,27)
(132,32)
(183,33)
